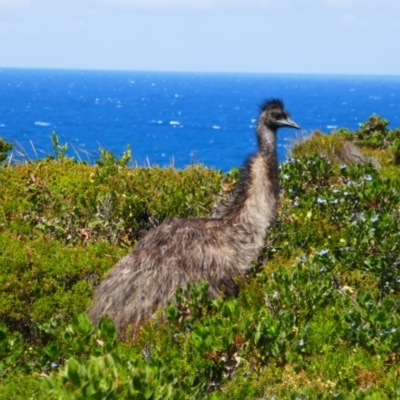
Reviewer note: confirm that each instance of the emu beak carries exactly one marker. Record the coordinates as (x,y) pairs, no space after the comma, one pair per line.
(287,122)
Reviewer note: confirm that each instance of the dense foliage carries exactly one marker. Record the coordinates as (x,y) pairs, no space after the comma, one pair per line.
(317,318)
(4,149)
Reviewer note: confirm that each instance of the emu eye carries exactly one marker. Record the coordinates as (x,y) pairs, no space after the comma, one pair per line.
(276,115)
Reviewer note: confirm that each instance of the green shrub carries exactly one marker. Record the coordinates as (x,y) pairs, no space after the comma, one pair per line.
(374,134)
(4,149)
(77,203)
(317,317)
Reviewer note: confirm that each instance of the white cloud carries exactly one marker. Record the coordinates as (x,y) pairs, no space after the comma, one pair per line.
(15,3)
(340,3)
(362,5)
(188,4)
(154,4)
(354,20)
(253,6)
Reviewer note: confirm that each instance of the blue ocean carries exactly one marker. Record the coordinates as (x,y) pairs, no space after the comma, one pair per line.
(178,118)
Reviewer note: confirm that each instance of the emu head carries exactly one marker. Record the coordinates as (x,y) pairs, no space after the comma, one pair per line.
(274,116)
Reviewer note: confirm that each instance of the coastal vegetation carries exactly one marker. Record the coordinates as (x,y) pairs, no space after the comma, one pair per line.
(317,317)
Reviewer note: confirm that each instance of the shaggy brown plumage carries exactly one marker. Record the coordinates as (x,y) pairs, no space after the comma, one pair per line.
(218,249)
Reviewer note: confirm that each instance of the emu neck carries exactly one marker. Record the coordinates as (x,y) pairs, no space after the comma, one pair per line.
(266,140)
(256,205)
(262,186)
(252,207)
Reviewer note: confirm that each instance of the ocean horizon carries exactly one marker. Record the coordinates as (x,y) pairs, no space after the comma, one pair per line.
(177,118)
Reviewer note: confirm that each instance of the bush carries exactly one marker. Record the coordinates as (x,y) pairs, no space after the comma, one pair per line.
(4,149)
(375,134)
(317,317)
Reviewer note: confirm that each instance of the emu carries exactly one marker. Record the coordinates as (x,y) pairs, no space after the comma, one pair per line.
(217,249)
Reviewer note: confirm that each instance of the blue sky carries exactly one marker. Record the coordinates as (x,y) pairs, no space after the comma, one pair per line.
(267,36)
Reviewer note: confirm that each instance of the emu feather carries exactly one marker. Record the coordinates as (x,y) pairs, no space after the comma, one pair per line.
(218,249)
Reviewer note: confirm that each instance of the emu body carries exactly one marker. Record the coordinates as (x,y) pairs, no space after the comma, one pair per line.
(218,249)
